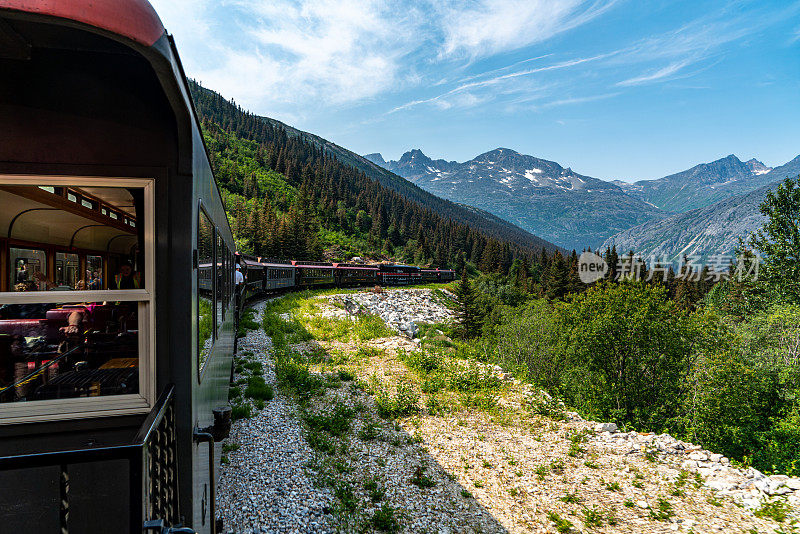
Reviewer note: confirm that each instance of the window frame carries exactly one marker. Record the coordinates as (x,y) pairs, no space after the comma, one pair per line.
(201,366)
(110,405)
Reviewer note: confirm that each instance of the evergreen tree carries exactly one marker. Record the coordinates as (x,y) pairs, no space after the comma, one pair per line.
(467,313)
(778,241)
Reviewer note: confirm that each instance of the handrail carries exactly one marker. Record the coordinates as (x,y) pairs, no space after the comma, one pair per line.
(135,452)
(43,459)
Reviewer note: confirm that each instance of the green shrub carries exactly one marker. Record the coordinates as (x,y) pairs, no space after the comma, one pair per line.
(385,519)
(241,411)
(336,423)
(258,389)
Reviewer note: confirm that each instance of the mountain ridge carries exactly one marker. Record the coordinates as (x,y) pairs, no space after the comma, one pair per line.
(701,185)
(705,231)
(539,195)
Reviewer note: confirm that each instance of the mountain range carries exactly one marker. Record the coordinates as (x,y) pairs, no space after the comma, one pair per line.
(540,196)
(713,229)
(491,223)
(578,211)
(702,185)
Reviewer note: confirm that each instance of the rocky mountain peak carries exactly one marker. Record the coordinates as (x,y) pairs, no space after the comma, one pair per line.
(756,167)
(375,158)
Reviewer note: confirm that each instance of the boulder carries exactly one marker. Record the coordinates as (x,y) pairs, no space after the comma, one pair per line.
(605,427)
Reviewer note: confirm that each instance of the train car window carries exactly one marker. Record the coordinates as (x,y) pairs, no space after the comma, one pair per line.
(94,278)
(29,270)
(220,279)
(64,339)
(205,289)
(67,269)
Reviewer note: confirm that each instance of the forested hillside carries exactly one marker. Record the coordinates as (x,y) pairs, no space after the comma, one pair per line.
(291,196)
(715,362)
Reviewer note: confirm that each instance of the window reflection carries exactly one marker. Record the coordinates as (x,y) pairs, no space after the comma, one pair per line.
(30,267)
(205,285)
(67,272)
(94,272)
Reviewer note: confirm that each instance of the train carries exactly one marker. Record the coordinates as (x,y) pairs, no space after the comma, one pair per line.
(118,296)
(263,275)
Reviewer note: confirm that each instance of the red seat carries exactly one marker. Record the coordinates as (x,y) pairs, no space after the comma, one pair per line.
(62,314)
(23,327)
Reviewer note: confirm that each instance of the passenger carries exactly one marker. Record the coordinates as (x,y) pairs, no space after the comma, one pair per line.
(22,273)
(239,276)
(126,278)
(96,281)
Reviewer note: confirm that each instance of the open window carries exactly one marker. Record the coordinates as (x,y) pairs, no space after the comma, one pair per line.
(76,301)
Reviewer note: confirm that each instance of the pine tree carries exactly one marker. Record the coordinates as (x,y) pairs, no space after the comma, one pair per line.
(467,313)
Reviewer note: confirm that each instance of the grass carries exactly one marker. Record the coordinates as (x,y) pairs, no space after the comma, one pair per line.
(230,447)
(247,322)
(258,389)
(295,375)
(241,411)
(562,525)
(663,510)
(613,486)
(570,498)
(385,519)
(336,423)
(592,517)
(368,432)
(557,466)
(403,403)
(420,479)
(541,472)
(775,509)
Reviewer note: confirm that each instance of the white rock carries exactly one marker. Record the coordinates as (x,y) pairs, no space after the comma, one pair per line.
(691,465)
(793,483)
(642,504)
(698,456)
(605,427)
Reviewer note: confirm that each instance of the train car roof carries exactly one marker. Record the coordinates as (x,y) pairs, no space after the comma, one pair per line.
(134,19)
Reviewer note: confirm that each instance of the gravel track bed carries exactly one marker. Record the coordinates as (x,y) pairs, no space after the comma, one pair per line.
(264,488)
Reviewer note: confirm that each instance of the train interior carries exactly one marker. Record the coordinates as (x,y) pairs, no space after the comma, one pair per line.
(64,247)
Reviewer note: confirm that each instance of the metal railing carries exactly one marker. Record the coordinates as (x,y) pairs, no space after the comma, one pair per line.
(151,456)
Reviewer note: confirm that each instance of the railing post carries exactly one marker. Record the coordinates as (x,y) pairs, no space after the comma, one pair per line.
(64,499)
(136,484)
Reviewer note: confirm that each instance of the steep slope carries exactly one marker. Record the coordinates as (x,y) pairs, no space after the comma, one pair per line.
(541,196)
(290,195)
(714,229)
(448,208)
(702,185)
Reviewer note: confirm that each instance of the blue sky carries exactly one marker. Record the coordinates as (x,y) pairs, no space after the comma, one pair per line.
(616,89)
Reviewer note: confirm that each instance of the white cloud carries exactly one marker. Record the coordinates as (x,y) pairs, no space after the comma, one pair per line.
(658,75)
(486,27)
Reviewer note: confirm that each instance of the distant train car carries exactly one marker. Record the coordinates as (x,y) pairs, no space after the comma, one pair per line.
(278,276)
(253,273)
(349,274)
(446,275)
(399,275)
(430,275)
(313,274)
